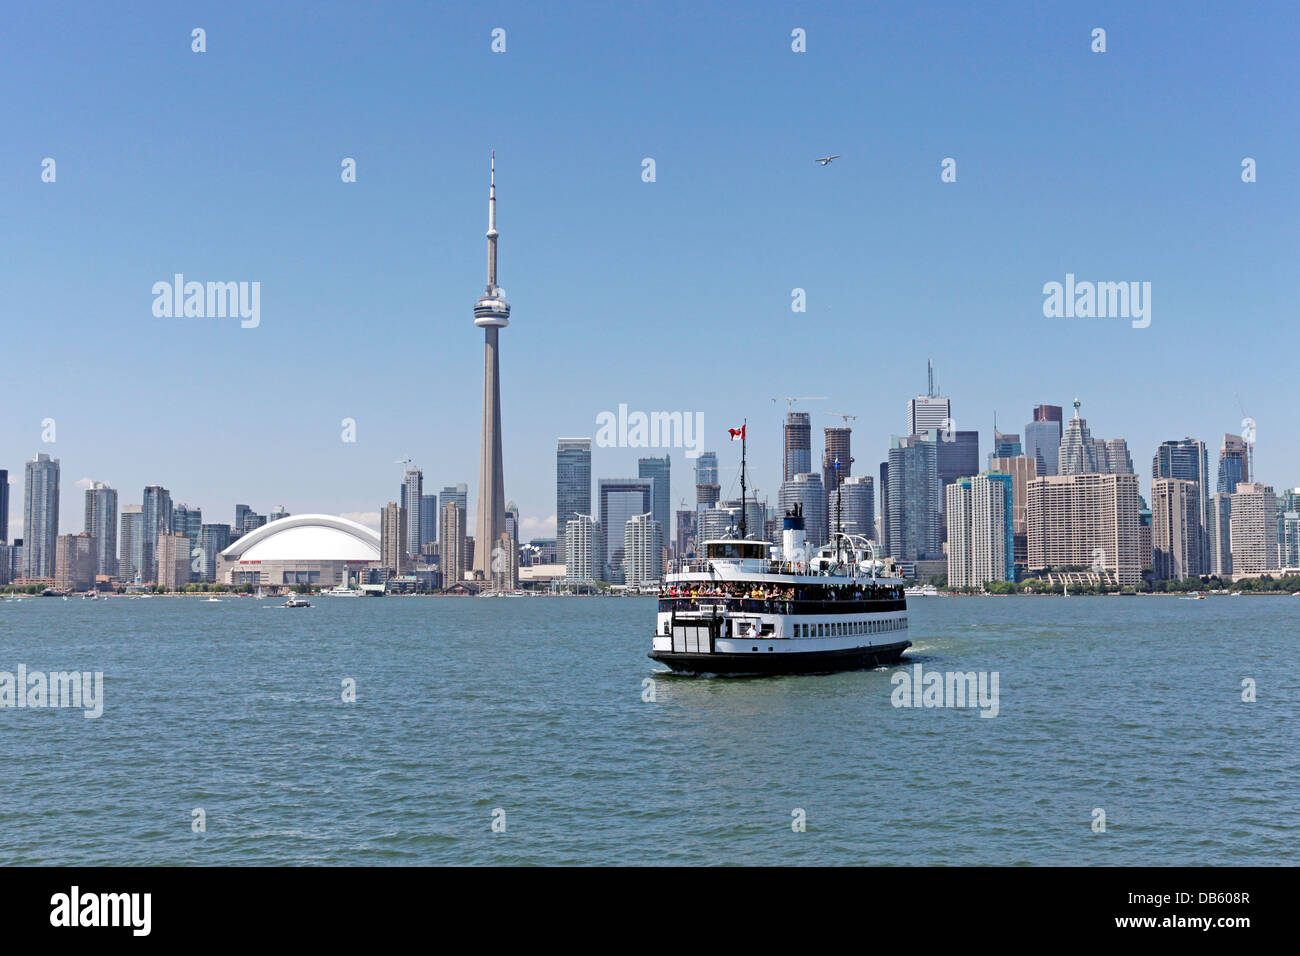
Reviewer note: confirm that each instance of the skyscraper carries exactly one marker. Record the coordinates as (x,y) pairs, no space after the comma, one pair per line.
(428,522)
(706,468)
(582,560)
(1022,470)
(41,517)
(4,506)
(1043,438)
(1187,459)
(128,552)
(157,511)
(492,314)
(74,562)
(855,504)
(451,547)
(798,445)
(572,485)
(1219,534)
(1004,446)
(643,546)
(915,516)
(1085,520)
(807,491)
(620,500)
(686,524)
(1253,529)
(101,524)
(1234,465)
(837,464)
(189,522)
(931,411)
(660,470)
(1078,454)
(412,499)
(457,495)
(978,511)
(213,539)
(1176,534)
(393,537)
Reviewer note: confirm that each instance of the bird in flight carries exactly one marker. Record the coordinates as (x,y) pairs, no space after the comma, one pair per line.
(826,160)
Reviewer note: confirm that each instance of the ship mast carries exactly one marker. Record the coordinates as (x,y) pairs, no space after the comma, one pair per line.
(743,529)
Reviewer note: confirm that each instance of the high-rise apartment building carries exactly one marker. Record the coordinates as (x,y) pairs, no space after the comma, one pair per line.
(452,545)
(4,506)
(572,484)
(621,499)
(128,552)
(915,514)
(643,545)
(412,499)
(213,539)
(1219,534)
(805,490)
(685,542)
(1253,529)
(978,511)
(101,524)
(1087,521)
(74,566)
(798,445)
(1022,469)
(172,554)
(157,521)
(393,537)
(41,517)
(1176,533)
(854,504)
(428,522)
(582,558)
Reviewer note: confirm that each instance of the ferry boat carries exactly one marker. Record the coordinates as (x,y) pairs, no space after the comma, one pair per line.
(740,609)
(341,590)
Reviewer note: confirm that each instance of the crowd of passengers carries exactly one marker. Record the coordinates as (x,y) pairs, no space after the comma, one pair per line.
(844,592)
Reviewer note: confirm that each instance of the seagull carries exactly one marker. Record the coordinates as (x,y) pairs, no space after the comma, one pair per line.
(826,160)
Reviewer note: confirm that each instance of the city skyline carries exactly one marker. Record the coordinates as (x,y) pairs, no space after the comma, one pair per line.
(584,221)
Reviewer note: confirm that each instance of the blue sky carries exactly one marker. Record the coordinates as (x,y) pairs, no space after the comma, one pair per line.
(671,295)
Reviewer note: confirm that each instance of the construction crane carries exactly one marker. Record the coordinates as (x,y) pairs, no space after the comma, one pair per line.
(404,461)
(847,418)
(791,399)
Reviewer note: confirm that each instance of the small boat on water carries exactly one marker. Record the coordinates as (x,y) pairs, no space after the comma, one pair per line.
(341,590)
(296,602)
(1195,596)
(212,600)
(921,590)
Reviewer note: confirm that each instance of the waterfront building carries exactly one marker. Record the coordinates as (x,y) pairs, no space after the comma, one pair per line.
(412,497)
(393,537)
(75,562)
(978,511)
(1145,550)
(157,521)
(4,508)
(1175,529)
(452,544)
(491,314)
(1288,543)
(40,517)
(311,549)
(1219,534)
(173,559)
(101,524)
(620,500)
(213,539)
(582,558)
(128,551)
(1085,521)
(572,484)
(1253,529)
(643,545)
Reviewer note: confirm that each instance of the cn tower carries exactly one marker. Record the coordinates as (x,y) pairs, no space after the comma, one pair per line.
(491,313)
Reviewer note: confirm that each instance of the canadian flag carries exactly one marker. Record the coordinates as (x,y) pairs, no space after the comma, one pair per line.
(736,432)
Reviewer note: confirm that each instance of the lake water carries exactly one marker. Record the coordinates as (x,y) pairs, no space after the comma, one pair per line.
(535,707)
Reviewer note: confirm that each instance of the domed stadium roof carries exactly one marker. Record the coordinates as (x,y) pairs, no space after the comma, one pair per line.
(307,538)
